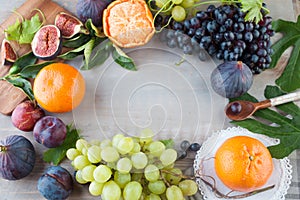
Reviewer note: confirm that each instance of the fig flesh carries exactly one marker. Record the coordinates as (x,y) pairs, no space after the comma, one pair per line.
(47,42)
(68,25)
(92,9)
(231,79)
(17,157)
(8,54)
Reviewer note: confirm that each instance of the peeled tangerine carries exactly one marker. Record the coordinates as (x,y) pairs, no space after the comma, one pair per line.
(128,23)
(243,163)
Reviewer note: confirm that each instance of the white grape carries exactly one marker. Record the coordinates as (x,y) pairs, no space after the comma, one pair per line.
(109,154)
(79,178)
(124,165)
(111,191)
(139,160)
(151,173)
(122,179)
(96,188)
(81,144)
(174,193)
(132,191)
(157,187)
(188,187)
(94,154)
(87,173)
(72,153)
(80,162)
(116,139)
(168,157)
(102,173)
(146,137)
(178,13)
(156,148)
(105,143)
(125,145)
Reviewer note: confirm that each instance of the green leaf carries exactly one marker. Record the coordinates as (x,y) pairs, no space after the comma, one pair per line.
(276,124)
(57,154)
(98,55)
(122,59)
(76,42)
(13,31)
(31,71)
(23,32)
(88,51)
(94,31)
(21,83)
(168,143)
(25,60)
(290,77)
(69,55)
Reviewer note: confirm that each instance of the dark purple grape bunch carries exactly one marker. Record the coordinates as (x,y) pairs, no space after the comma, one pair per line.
(223,32)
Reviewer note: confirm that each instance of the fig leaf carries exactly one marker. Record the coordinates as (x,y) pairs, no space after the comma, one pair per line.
(285,127)
(57,154)
(290,77)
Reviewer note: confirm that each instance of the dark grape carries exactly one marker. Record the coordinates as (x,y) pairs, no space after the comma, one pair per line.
(236,108)
(184,145)
(195,147)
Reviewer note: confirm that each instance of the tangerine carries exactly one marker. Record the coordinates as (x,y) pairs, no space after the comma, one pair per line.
(59,88)
(243,163)
(128,23)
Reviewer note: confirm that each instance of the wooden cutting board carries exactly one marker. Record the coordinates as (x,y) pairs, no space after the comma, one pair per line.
(11,96)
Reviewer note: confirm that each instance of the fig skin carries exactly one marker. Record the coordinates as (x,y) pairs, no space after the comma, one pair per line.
(231,79)
(25,115)
(91,9)
(50,131)
(55,183)
(17,157)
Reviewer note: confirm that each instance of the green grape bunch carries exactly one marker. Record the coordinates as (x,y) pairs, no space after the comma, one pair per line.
(130,168)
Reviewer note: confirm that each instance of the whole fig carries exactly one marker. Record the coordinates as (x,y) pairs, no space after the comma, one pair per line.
(50,131)
(231,79)
(17,157)
(56,183)
(26,114)
(92,9)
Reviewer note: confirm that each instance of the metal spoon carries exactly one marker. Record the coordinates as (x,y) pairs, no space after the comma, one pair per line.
(240,110)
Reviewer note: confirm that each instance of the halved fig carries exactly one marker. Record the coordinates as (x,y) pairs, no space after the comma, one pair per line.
(8,54)
(47,42)
(68,25)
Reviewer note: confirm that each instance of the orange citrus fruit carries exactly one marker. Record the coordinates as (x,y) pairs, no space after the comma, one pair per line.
(243,163)
(59,87)
(128,23)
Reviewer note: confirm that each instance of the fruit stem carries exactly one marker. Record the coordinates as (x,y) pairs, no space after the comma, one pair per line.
(2,148)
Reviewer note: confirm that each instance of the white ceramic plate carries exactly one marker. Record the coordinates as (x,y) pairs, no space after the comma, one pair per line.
(281,175)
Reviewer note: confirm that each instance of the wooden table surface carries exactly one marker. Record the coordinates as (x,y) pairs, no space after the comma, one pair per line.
(26,188)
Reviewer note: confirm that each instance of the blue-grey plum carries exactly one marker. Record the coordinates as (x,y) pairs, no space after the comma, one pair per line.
(17,157)
(56,183)
(50,131)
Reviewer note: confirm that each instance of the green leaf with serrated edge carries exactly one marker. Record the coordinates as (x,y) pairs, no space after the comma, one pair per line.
(31,71)
(13,31)
(57,154)
(168,143)
(122,59)
(286,129)
(76,42)
(29,28)
(290,77)
(23,61)
(21,83)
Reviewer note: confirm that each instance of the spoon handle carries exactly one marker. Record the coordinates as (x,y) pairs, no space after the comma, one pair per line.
(285,98)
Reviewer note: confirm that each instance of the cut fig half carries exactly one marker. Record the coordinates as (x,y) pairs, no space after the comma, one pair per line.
(69,25)
(8,54)
(47,42)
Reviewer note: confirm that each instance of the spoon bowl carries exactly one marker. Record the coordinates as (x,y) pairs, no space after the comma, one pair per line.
(240,110)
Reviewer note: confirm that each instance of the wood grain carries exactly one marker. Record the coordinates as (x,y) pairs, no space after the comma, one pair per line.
(11,96)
